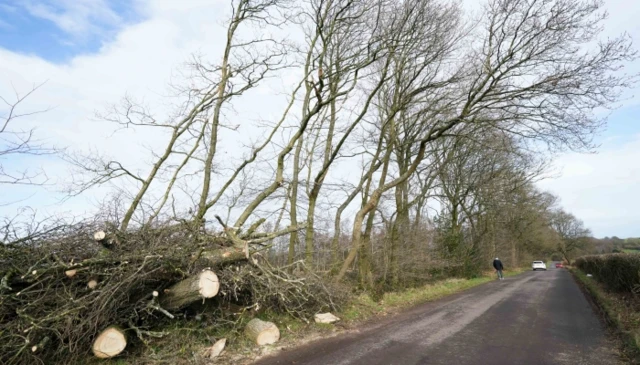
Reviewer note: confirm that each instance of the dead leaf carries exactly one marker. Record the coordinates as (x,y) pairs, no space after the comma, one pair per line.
(215,350)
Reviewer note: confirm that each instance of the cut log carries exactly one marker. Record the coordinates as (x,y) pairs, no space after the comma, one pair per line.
(92,284)
(325,318)
(223,256)
(197,287)
(99,236)
(262,332)
(109,343)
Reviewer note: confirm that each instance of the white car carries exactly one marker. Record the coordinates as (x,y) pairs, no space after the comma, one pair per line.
(538,265)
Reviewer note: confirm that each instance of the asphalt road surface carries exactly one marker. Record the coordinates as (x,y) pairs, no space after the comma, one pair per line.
(534,318)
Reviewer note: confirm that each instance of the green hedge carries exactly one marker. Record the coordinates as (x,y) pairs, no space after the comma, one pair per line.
(619,272)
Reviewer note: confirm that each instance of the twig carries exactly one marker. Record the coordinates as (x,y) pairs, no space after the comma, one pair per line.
(4,283)
(141,333)
(153,304)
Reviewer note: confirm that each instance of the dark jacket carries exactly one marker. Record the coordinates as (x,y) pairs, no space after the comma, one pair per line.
(497,264)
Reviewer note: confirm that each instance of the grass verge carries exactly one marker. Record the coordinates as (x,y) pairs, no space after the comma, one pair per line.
(359,310)
(184,345)
(621,312)
(363,307)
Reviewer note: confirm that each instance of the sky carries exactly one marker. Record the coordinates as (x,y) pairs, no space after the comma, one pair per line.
(90,53)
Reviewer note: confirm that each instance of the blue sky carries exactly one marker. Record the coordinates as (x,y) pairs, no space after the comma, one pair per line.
(92,52)
(58,30)
(623,123)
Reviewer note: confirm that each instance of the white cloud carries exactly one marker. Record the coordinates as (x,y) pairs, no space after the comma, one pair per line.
(78,18)
(602,188)
(142,59)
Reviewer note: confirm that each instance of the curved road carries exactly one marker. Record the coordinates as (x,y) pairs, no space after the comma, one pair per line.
(533,318)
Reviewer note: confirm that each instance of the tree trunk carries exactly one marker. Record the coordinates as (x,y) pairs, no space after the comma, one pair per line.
(319,180)
(337,231)
(309,233)
(375,197)
(109,343)
(375,164)
(399,232)
(293,238)
(197,287)
(214,119)
(400,227)
(366,271)
(219,257)
(368,206)
(262,332)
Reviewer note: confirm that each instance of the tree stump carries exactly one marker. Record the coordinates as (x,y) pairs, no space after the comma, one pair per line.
(109,343)
(99,236)
(197,287)
(262,332)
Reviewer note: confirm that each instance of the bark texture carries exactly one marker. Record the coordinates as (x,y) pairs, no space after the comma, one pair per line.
(262,332)
(202,286)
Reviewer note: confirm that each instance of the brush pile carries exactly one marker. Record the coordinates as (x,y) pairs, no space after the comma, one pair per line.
(80,288)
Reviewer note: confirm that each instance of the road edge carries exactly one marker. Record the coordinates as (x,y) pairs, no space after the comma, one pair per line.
(629,349)
(371,320)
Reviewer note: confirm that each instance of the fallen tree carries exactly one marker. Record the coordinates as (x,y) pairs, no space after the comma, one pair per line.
(204,285)
(67,296)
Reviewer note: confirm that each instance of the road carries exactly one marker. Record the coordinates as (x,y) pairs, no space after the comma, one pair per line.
(533,318)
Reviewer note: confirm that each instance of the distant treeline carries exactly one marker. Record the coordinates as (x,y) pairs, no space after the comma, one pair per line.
(615,244)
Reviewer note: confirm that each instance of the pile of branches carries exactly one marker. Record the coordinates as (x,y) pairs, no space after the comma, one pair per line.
(293,289)
(57,293)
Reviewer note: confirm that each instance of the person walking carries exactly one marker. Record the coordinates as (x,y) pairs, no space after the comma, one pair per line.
(497,264)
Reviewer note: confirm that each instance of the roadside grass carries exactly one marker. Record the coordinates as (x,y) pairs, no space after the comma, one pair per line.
(622,313)
(184,344)
(360,309)
(363,307)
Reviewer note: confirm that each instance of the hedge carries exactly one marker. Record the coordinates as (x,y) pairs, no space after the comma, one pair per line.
(618,272)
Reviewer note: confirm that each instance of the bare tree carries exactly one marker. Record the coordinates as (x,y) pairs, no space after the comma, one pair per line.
(17,141)
(356,42)
(432,110)
(420,36)
(532,74)
(194,129)
(328,17)
(572,235)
